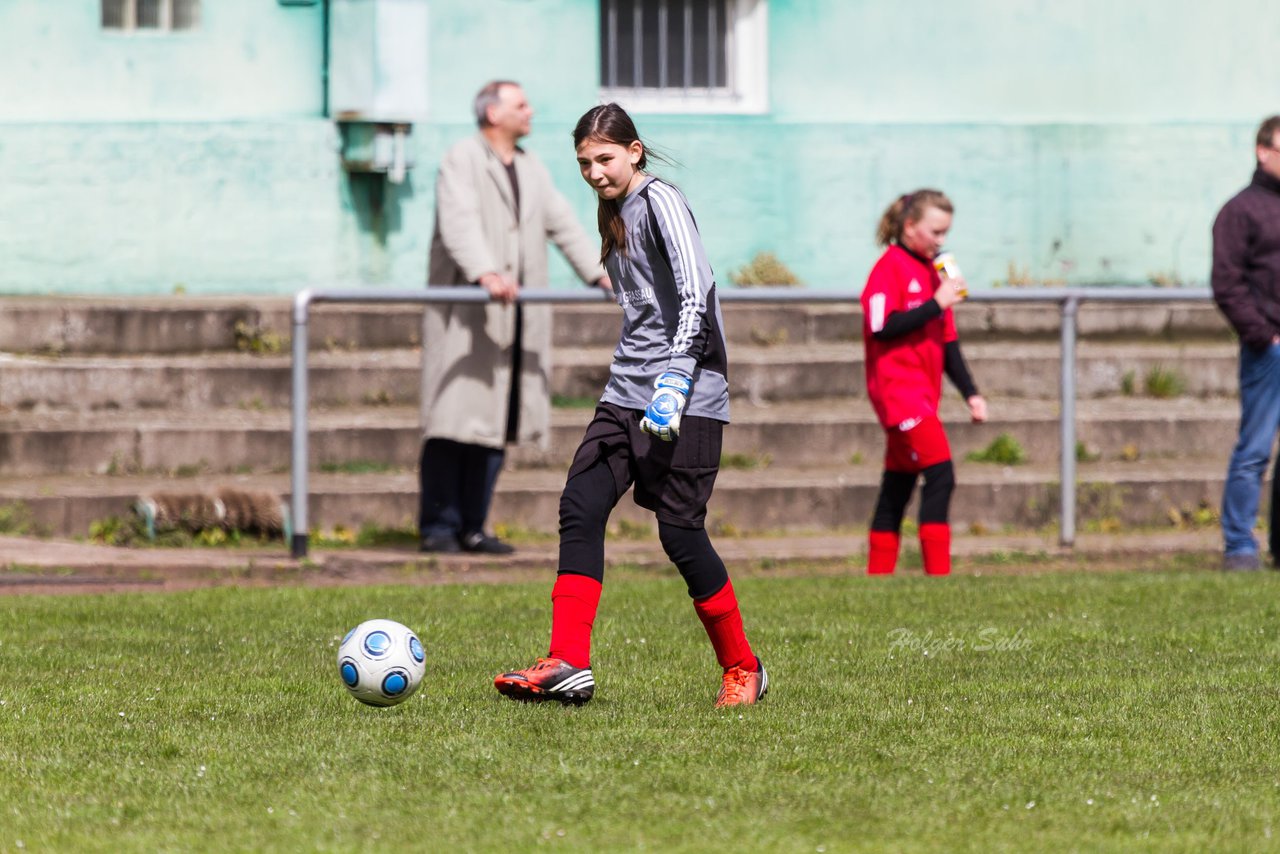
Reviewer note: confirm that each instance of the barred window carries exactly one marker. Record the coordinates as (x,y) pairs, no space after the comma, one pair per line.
(131,15)
(683,54)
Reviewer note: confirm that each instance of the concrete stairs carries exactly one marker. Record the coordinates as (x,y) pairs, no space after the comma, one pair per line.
(101,401)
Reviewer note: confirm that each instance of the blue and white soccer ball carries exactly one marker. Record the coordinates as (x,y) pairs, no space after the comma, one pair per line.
(381,662)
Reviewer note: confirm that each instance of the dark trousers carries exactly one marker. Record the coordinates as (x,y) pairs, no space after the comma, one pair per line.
(457,482)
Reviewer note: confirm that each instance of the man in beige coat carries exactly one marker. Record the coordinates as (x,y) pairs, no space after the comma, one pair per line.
(486,367)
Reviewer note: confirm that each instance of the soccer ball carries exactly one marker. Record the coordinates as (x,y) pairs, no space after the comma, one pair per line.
(381,662)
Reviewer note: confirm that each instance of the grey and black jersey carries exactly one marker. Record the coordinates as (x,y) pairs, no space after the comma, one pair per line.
(670,314)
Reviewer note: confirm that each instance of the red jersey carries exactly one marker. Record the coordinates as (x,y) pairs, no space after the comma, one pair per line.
(904,374)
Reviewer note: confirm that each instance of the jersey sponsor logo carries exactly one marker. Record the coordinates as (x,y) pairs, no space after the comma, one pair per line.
(914,287)
(639,295)
(877,312)
(906,425)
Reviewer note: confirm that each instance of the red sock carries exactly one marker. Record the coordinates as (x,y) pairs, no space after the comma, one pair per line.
(574,600)
(935,548)
(882,558)
(723,621)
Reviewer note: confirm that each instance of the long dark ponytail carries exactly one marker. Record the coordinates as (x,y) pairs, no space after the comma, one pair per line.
(610,123)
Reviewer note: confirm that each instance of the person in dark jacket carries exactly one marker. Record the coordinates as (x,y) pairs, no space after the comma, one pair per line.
(1246,287)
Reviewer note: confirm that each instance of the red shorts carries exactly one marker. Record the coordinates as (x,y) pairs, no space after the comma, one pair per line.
(916,448)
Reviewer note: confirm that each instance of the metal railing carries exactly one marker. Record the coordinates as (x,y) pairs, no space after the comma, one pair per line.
(1067,299)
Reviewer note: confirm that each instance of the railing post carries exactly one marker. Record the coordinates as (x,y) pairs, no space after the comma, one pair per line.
(1067,409)
(298,462)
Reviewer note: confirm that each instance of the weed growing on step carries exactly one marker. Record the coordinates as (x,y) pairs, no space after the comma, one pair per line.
(1202,516)
(1018,277)
(131,532)
(333,345)
(720,527)
(764,269)
(745,462)
(191,469)
(252,338)
(1100,506)
(1163,383)
(625,529)
(367,536)
(569,401)
(521,534)
(121,466)
(765,338)
(381,397)
(1086,454)
(1130,453)
(1128,383)
(856,458)
(15,519)
(1003,450)
(357,467)
(1166,279)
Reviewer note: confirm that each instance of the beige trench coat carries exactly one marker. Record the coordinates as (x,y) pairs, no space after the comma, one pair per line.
(467,350)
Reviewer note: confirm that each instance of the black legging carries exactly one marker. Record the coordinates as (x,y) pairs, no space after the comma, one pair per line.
(588,499)
(895,493)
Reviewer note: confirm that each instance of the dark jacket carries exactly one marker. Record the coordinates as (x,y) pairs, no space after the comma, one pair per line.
(1246,261)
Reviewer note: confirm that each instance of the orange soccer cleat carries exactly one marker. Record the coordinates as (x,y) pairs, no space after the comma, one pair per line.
(743,687)
(549,679)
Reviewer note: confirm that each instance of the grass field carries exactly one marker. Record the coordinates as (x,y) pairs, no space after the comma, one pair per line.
(1119,711)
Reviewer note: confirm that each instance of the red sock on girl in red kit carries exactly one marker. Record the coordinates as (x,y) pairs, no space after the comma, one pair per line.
(935,548)
(882,558)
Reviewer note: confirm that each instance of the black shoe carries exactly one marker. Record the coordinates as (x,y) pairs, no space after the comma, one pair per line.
(478,542)
(441,544)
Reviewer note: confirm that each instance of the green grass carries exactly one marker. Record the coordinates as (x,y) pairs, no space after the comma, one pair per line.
(1060,711)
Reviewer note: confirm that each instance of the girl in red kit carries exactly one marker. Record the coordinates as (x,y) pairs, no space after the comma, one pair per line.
(910,337)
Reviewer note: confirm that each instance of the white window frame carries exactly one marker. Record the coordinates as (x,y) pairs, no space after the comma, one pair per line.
(747,61)
(129,24)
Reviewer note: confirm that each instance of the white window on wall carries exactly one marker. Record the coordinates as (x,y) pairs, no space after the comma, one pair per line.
(684,55)
(133,15)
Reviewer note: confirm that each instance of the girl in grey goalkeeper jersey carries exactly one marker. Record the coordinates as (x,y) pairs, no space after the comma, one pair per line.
(658,425)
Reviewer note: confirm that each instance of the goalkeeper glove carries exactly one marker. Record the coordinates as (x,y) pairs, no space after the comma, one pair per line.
(662,415)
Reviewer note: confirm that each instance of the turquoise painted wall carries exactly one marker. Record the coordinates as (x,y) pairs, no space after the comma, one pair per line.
(1082,142)
(249,60)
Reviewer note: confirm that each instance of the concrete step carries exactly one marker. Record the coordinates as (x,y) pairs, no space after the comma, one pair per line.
(793,433)
(1001,369)
(181,324)
(388,377)
(121,325)
(987,497)
(758,373)
(799,324)
(201,382)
